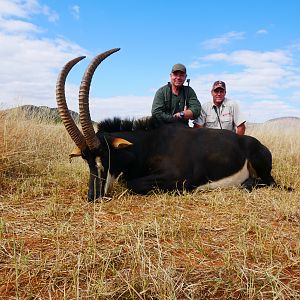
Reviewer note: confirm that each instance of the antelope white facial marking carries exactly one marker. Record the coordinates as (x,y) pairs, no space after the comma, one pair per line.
(108,183)
(109,178)
(99,165)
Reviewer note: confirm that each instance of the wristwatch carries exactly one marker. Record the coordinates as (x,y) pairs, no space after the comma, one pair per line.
(181,114)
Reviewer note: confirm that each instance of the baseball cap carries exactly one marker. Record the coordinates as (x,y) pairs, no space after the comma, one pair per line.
(179,67)
(219,84)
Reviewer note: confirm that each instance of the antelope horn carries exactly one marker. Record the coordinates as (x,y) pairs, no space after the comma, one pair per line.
(84,111)
(68,121)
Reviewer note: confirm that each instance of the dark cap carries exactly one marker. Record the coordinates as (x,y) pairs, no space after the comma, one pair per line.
(219,85)
(179,67)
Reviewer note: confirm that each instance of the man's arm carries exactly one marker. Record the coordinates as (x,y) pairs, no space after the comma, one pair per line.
(201,120)
(158,106)
(198,125)
(239,119)
(194,106)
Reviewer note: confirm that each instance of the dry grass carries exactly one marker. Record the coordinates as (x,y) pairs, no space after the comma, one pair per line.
(222,244)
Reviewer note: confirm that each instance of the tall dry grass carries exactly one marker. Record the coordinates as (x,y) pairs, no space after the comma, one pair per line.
(222,244)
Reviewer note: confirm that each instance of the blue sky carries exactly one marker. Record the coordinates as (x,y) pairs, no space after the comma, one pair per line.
(254,46)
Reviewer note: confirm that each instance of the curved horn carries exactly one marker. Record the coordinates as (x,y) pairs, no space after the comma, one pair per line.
(62,106)
(84,111)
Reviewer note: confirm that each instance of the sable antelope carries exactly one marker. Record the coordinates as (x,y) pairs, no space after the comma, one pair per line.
(152,154)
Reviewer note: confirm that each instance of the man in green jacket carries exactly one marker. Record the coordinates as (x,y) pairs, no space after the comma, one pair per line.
(174,100)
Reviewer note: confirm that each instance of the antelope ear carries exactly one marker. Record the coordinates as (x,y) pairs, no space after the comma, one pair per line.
(119,143)
(75,153)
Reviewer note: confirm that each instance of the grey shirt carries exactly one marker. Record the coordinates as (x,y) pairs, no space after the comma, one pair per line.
(229,115)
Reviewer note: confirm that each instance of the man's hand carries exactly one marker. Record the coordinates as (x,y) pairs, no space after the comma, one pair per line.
(188,114)
(240,130)
(179,115)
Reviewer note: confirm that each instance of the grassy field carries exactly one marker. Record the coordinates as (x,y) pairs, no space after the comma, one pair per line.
(222,244)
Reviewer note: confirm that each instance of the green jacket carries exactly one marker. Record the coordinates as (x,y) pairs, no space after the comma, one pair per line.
(163,109)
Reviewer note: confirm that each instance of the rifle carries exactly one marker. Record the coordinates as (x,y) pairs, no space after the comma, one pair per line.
(187,94)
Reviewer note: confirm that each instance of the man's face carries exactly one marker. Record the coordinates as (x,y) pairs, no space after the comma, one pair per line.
(218,96)
(178,78)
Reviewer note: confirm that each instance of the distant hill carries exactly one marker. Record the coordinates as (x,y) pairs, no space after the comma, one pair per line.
(280,122)
(285,123)
(284,119)
(42,113)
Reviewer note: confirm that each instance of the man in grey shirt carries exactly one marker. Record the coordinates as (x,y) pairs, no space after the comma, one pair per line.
(221,112)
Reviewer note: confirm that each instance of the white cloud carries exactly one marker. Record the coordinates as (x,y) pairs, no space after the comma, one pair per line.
(15,16)
(253,58)
(263,110)
(261,81)
(219,42)
(14,26)
(75,11)
(25,9)
(29,76)
(28,72)
(120,106)
(52,15)
(12,8)
(260,72)
(261,32)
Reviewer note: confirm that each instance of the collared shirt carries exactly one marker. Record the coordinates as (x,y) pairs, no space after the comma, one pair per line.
(166,104)
(229,115)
